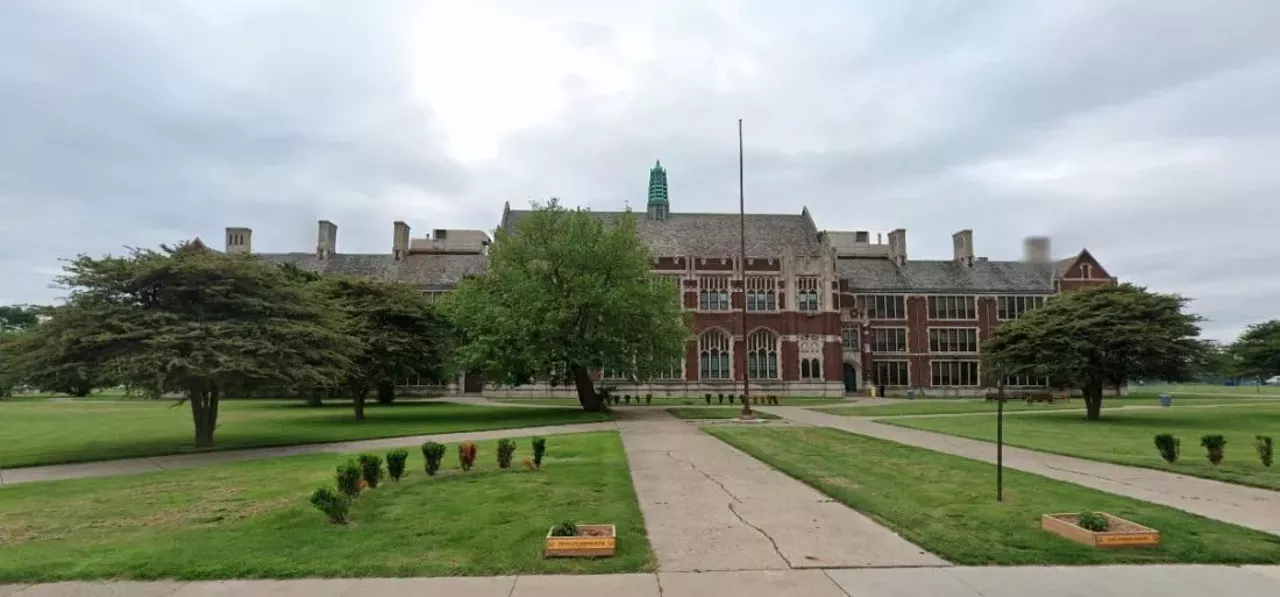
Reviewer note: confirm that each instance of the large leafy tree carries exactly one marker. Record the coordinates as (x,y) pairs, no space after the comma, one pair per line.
(398,332)
(15,318)
(198,322)
(565,293)
(1257,351)
(1101,337)
(60,354)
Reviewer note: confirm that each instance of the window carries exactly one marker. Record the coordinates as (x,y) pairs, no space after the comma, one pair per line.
(1025,380)
(673,370)
(952,307)
(615,373)
(762,294)
(432,295)
(1086,270)
(954,373)
(892,373)
(953,340)
(807,294)
(889,339)
(849,333)
(810,369)
(713,293)
(1012,307)
(713,355)
(882,306)
(762,355)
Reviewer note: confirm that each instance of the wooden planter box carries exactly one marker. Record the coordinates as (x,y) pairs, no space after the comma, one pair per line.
(1123,533)
(593,541)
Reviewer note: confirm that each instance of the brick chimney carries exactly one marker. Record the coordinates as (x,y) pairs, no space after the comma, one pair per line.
(327,243)
(400,241)
(239,240)
(962,245)
(1036,249)
(898,246)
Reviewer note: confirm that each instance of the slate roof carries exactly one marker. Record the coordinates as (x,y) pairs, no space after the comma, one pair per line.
(429,271)
(715,235)
(947,276)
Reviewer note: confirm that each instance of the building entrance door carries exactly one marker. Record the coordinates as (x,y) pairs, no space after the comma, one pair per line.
(850,378)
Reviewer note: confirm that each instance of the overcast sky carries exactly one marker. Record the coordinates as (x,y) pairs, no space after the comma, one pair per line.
(1146,131)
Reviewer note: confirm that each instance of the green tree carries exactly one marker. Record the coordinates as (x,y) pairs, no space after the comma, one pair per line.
(15,318)
(566,293)
(1257,351)
(9,377)
(198,322)
(398,332)
(1101,337)
(60,355)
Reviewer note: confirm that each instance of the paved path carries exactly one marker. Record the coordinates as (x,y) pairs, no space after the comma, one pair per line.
(111,468)
(1106,581)
(708,506)
(1007,413)
(1246,506)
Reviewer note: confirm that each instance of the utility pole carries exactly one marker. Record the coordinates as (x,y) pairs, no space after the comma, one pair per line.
(1000,438)
(742,266)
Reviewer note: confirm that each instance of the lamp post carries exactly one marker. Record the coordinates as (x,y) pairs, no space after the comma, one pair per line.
(742,265)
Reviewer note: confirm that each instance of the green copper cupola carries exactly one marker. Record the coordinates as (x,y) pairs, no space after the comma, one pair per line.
(658,207)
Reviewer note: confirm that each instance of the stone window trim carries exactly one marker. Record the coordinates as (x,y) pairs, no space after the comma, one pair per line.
(850,335)
(714,292)
(958,373)
(764,347)
(715,355)
(952,307)
(808,294)
(890,339)
(954,340)
(892,373)
(881,305)
(762,293)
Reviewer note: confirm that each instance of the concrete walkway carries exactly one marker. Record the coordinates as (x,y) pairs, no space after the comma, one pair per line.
(1106,581)
(111,468)
(708,506)
(1245,506)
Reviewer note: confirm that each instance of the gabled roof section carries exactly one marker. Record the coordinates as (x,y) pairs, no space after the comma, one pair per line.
(714,234)
(1068,268)
(883,275)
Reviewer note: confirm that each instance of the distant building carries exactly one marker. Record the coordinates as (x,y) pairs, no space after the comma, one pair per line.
(828,312)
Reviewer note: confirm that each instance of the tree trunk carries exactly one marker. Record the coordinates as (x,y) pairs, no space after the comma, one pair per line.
(587,395)
(386,391)
(81,389)
(1093,401)
(357,396)
(315,398)
(204,413)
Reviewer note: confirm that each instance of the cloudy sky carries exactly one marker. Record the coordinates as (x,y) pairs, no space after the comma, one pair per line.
(1146,131)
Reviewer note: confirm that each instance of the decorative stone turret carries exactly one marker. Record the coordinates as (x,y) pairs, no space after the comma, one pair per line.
(659,206)
(239,240)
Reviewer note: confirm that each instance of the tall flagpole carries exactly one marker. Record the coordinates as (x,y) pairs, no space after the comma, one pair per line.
(742,265)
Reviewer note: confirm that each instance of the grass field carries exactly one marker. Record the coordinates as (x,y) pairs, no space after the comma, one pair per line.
(1199,388)
(252,520)
(700,413)
(33,433)
(946,504)
(1126,437)
(979,405)
(665,401)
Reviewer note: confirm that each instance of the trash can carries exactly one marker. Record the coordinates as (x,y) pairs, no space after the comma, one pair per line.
(1166,400)
(911,394)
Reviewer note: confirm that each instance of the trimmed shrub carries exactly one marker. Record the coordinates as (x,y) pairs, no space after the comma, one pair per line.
(466,455)
(1169,447)
(648,399)
(626,398)
(334,504)
(1262,444)
(506,448)
(348,478)
(539,448)
(1092,521)
(395,463)
(371,469)
(1213,445)
(565,529)
(432,453)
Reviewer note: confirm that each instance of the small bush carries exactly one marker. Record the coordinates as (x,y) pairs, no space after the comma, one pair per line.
(626,398)
(707,397)
(539,449)
(1169,447)
(506,448)
(432,453)
(371,469)
(466,455)
(565,529)
(395,463)
(349,479)
(648,399)
(1092,521)
(1213,445)
(334,504)
(1262,444)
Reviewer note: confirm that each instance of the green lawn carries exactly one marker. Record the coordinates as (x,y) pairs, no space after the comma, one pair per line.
(1126,437)
(666,401)
(979,405)
(1199,388)
(33,433)
(252,520)
(946,504)
(700,413)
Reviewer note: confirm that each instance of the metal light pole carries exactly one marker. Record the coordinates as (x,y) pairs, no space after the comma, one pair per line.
(1000,436)
(742,265)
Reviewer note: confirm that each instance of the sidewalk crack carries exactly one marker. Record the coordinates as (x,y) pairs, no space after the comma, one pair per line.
(827,574)
(705,474)
(514,580)
(766,536)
